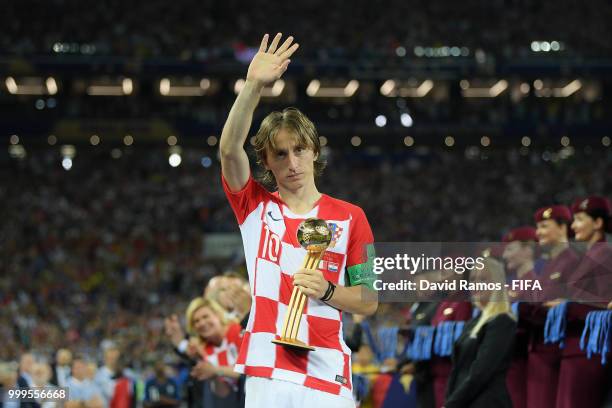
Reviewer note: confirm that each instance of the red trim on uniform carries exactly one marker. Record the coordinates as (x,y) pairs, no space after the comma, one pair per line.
(347,371)
(255,371)
(322,385)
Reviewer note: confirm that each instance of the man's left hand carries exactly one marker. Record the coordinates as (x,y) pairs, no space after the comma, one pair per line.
(311,282)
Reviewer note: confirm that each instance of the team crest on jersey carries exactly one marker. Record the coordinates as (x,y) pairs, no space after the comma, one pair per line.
(336,232)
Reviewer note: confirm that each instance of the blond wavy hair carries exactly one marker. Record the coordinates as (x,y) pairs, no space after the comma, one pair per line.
(199,303)
(499,302)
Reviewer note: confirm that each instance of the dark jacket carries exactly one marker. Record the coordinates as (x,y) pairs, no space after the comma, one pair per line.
(23,384)
(480,365)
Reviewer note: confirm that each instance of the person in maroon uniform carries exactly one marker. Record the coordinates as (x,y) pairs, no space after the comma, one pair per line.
(582,381)
(559,260)
(591,280)
(519,253)
(519,257)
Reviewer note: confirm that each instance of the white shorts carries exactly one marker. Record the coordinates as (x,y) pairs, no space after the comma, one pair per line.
(268,392)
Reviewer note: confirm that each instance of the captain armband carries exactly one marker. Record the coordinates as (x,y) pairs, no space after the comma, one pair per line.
(363,274)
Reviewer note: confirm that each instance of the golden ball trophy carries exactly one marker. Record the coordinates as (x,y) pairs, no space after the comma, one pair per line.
(314,236)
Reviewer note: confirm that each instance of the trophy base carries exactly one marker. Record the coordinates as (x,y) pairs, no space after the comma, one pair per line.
(295,344)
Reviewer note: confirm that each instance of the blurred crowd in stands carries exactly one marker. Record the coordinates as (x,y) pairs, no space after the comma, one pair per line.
(217,30)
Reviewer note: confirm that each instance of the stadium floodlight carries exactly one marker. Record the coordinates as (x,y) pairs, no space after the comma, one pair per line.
(568,89)
(67,163)
(184,87)
(175,159)
(127,86)
(31,86)
(172,140)
(316,89)
(387,88)
(526,141)
(565,141)
(406,89)
(111,87)
(212,140)
(481,90)
(51,86)
(381,121)
(68,151)
(406,119)
(276,89)
(17,151)
(557,89)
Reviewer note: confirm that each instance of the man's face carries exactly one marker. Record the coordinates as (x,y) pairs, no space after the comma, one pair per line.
(549,232)
(584,226)
(291,164)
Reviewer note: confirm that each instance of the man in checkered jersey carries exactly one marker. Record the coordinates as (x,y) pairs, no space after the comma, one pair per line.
(288,148)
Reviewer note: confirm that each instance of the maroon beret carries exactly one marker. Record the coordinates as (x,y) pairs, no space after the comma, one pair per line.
(590,204)
(553,212)
(525,233)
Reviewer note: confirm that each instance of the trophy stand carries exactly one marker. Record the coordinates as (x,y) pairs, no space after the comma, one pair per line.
(313,235)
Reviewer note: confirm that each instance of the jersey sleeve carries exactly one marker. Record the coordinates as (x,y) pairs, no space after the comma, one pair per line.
(243,202)
(360,254)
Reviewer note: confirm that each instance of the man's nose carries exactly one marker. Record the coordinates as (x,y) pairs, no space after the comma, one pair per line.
(293,161)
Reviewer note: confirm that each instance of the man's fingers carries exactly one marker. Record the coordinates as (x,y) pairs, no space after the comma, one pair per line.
(308,291)
(302,277)
(264,43)
(285,45)
(274,44)
(290,51)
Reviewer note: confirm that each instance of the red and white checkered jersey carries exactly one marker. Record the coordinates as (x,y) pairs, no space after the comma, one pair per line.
(225,354)
(273,255)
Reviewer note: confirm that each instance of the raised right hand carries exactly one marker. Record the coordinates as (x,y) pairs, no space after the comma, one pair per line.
(271,62)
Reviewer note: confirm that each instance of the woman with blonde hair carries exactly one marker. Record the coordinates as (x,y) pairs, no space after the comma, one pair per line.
(482,354)
(213,344)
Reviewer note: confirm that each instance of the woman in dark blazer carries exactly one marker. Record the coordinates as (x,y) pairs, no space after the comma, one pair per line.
(482,354)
